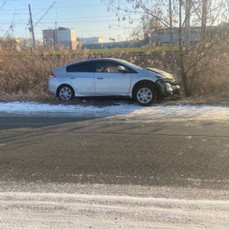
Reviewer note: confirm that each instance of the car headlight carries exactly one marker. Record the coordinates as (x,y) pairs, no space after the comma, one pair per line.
(168,87)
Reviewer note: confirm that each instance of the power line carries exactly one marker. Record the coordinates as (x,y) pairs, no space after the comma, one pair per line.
(70,18)
(81,18)
(44,14)
(103,30)
(77,21)
(11,27)
(13,14)
(70,21)
(40,12)
(66,7)
(3,4)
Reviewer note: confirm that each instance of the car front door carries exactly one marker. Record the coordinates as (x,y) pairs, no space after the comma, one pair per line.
(109,80)
(82,79)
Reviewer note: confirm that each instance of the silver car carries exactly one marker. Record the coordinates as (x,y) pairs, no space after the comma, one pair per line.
(111,77)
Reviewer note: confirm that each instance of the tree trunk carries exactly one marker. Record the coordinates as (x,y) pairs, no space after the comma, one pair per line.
(184,75)
(171,23)
(204,19)
(187,22)
(187,89)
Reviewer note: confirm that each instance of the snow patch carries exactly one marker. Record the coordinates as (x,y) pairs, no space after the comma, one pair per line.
(129,111)
(54,210)
(34,108)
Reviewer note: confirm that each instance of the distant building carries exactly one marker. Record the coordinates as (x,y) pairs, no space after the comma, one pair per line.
(61,38)
(66,38)
(49,38)
(92,40)
(163,35)
(110,45)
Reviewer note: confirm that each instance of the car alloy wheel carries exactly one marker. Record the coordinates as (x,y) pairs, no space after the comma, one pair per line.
(65,93)
(144,95)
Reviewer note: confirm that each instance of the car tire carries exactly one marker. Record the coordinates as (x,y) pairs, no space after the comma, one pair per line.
(145,94)
(65,93)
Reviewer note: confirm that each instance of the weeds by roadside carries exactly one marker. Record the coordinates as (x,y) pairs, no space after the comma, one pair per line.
(24,76)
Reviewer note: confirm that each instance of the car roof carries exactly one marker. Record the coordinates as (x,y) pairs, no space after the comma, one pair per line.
(124,62)
(98,59)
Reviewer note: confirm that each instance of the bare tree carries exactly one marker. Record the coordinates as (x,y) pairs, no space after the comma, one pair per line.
(187,22)
(204,18)
(194,21)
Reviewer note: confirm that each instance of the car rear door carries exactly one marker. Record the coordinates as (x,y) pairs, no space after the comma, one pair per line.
(109,81)
(82,79)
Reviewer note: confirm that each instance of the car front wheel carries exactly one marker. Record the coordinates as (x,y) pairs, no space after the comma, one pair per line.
(65,93)
(145,94)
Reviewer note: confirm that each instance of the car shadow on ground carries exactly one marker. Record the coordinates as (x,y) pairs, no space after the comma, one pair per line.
(96,101)
(110,101)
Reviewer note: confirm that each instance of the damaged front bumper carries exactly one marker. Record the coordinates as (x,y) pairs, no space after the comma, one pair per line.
(167,87)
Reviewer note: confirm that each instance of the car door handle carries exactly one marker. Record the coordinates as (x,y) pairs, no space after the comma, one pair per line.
(72,77)
(99,78)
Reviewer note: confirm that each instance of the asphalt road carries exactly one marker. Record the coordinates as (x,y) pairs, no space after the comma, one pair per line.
(114,151)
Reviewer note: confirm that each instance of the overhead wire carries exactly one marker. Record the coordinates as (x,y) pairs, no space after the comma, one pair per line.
(3,4)
(11,26)
(66,20)
(66,7)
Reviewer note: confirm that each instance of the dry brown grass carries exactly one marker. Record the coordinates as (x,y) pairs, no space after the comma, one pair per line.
(213,80)
(24,76)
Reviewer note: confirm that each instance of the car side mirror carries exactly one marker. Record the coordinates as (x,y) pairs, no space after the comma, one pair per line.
(122,69)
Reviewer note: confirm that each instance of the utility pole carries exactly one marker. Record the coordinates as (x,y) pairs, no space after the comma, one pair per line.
(31,28)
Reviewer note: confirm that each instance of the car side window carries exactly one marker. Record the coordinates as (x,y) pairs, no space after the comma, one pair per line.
(106,66)
(83,67)
(100,67)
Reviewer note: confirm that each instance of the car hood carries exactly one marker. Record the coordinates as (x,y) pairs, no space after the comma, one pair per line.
(161,73)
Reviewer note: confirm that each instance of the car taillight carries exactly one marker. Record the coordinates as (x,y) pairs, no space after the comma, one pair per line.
(52,75)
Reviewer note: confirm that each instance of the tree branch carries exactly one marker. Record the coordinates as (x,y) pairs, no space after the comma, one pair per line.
(200,57)
(145,11)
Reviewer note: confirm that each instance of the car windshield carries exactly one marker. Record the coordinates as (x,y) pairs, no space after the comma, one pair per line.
(130,64)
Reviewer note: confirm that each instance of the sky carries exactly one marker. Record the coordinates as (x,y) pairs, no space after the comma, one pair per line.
(88,17)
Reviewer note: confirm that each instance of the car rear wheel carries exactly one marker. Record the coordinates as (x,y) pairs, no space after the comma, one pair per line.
(145,94)
(65,93)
